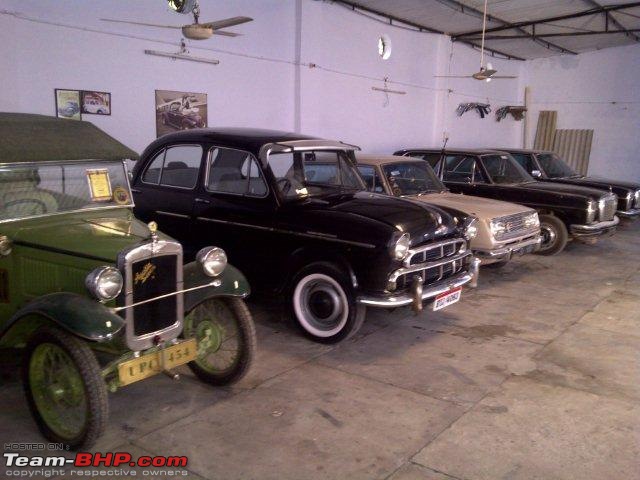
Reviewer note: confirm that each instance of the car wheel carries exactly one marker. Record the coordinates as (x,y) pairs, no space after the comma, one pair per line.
(226,338)
(65,389)
(554,235)
(324,305)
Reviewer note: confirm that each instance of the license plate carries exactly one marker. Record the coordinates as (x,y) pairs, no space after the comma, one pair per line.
(447,298)
(150,364)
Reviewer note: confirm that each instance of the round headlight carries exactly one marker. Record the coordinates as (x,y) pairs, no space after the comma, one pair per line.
(213,260)
(471,229)
(104,283)
(400,249)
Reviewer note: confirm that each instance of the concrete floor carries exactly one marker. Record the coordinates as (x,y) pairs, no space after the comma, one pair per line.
(534,375)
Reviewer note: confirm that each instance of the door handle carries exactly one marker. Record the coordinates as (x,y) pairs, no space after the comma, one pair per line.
(202,200)
(135,190)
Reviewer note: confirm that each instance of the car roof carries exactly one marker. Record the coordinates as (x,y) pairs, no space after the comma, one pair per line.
(26,137)
(472,151)
(524,150)
(373,159)
(249,138)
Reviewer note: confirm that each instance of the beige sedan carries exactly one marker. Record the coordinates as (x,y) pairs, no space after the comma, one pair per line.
(504,229)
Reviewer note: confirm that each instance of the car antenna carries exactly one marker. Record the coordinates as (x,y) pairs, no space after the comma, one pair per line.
(444,146)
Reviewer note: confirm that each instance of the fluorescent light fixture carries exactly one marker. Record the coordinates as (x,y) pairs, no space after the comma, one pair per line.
(182,56)
(387,90)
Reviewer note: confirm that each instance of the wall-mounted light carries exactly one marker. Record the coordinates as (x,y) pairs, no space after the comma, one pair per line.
(182,6)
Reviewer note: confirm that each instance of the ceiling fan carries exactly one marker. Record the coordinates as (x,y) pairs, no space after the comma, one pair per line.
(486,72)
(195,30)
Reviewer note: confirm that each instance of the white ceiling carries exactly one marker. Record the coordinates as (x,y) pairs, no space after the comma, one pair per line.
(447,16)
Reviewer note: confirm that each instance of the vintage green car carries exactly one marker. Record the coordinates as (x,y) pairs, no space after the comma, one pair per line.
(93,298)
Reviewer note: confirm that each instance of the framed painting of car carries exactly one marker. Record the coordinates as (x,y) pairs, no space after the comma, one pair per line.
(68,104)
(96,103)
(179,111)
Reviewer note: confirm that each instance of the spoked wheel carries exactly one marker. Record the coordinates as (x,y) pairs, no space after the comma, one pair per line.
(64,387)
(226,339)
(554,235)
(324,305)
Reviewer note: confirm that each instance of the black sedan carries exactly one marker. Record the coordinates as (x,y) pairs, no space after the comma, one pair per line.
(566,211)
(549,167)
(293,213)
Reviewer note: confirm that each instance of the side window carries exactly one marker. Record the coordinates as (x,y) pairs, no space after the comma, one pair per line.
(458,168)
(181,166)
(525,161)
(153,171)
(234,171)
(434,159)
(371,178)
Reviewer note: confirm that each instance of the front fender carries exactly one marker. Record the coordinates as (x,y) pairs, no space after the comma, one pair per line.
(233,284)
(81,316)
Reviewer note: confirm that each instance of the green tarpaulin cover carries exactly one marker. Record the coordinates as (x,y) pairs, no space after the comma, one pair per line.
(26,137)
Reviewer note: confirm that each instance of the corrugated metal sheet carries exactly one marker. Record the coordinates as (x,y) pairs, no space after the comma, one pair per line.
(574,146)
(546,131)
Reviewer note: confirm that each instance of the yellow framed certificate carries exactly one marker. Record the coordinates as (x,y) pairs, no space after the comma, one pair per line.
(99,185)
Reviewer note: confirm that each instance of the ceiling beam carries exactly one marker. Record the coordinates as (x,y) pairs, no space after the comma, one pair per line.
(456,5)
(583,13)
(422,28)
(552,35)
(610,18)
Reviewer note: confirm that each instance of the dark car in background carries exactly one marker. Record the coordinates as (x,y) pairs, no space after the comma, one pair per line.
(566,211)
(294,214)
(547,166)
(182,118)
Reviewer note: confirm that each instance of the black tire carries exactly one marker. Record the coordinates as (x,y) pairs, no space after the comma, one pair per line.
(554,235)
(219,311)
(317,288)
(95,410)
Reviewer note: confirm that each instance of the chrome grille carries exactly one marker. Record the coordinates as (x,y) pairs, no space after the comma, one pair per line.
(441,260)
(607,207)
(515,225)
(637,196)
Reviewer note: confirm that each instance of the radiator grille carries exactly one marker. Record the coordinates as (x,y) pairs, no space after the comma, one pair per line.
(607,207)
(153,277)
(435,253)
(515,226)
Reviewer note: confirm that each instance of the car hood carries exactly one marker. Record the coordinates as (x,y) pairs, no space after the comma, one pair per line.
(599,182)
(98,237)
(417,219)
(561,188)
(483,208)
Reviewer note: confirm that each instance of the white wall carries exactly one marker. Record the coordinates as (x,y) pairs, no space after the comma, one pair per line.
(582,88)
(264,78)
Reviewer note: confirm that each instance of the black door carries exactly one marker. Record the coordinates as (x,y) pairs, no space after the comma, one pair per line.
(165,190)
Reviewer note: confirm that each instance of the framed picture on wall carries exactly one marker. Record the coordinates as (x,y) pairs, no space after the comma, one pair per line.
(96,103)
(68,104)
(179,111)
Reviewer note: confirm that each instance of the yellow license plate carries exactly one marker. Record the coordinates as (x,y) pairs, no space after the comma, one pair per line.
(150,364)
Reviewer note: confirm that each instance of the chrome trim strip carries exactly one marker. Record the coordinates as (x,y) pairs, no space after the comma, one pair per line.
(316,236)
(427,293)
(171,214)
(634,212)
(597,226)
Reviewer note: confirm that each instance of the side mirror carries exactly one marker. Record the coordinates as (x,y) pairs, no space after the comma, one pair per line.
(536,174)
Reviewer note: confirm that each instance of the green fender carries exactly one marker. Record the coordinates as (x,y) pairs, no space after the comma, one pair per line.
(233,284)
(81,316)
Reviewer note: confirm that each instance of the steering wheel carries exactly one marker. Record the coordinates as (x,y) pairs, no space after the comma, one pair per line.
(286,185)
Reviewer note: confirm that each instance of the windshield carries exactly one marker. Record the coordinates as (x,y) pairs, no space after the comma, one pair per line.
(412,178)
(554,166)
(309,173)
(504,169)
(31,190)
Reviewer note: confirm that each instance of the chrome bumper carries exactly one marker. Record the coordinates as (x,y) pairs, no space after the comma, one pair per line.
(506,253)
(597,229)
(418,295)
(634,212)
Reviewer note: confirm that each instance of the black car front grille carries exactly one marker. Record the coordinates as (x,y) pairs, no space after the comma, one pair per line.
(438,252)
(151,278)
